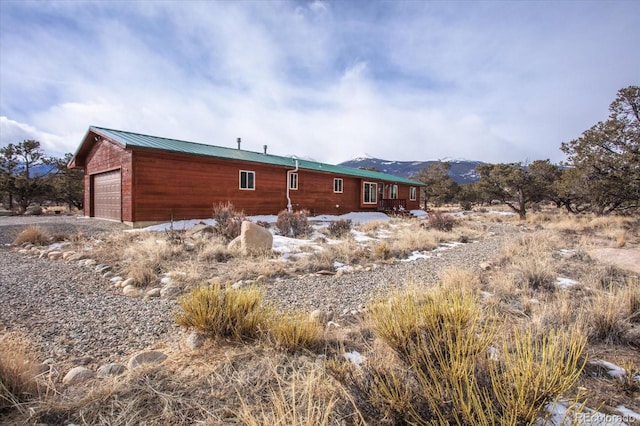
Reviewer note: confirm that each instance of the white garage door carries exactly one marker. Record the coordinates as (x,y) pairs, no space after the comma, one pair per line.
(107,195)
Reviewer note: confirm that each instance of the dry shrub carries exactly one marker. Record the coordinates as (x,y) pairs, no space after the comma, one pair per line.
(223,312)
(339,228)
(295,331)
(294,225)
(370,228)
(34,235)
(228,220)
(441,222)
(445,374)
(454,278)
(535,273)
(302,398)
(215,250)
(146,258)
(611,313)
(533,370)
(17,373)
(415,238)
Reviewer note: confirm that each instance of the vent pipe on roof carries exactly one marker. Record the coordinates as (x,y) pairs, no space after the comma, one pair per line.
(265,149)
(239,140)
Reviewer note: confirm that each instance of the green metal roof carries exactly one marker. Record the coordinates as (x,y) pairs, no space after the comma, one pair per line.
(153,142)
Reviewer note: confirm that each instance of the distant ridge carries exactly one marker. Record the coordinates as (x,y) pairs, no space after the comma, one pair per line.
(461,171)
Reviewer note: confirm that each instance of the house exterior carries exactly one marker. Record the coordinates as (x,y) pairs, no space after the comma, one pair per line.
(140,180)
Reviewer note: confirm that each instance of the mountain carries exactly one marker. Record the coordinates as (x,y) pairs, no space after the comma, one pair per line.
(461,171)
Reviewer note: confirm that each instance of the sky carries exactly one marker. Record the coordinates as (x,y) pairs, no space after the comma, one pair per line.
(493,81)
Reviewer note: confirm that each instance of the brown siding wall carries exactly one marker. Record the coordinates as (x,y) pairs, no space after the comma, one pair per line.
(179,186)
(107,156)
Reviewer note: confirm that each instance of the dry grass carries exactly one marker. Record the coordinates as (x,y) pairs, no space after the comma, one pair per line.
(480,347)
(295,331)
(18,371)
(34,235)
(223,312)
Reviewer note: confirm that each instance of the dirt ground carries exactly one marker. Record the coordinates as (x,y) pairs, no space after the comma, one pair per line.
(628,259)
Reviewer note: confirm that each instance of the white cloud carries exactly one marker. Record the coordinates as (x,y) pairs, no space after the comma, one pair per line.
(326,80)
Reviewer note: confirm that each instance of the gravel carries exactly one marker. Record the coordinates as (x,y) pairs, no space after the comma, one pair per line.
(70,311)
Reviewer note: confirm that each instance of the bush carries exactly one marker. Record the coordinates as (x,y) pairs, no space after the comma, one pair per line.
(34,235)
(17,372)
(228,221)
(448,373)
(218,312)
(295,331)
(294,224)
(441,222)
(340,228)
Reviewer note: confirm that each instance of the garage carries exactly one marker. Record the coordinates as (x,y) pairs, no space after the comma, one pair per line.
(107,195)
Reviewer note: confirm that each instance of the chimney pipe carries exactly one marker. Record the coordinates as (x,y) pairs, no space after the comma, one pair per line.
(265,149)
(239,140)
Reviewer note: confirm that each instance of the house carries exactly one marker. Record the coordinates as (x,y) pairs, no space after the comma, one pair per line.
(140,180)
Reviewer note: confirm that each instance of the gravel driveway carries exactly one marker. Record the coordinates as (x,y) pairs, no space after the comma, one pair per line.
(70,311)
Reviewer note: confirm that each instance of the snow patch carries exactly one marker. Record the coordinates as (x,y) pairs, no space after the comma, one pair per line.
(565,283)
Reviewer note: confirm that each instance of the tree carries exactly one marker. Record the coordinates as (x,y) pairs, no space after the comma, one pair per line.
(516,185)
(605,160)
(67,185)
(19,181)
(440,187)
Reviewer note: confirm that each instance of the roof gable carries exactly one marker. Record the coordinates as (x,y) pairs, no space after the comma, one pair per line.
(129,139)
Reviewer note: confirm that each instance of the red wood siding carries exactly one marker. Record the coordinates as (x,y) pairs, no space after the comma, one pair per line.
(107,156)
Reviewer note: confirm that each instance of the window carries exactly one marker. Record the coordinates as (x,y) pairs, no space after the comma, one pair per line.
(412,193)
(394,192)
(370,192)
(293,181)
(247,180)
(337,185)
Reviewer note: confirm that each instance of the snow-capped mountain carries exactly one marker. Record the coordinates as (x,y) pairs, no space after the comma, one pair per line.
(461,171)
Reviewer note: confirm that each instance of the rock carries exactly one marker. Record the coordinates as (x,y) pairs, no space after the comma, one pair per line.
(89,262)
(321,316)
(128,281)
(195,340)
(147,357)
(54,255)
(77,375)
(76,257)
(254,239)
(67,254)
(130,290)
(154,292)
(170,291)
(102,268)
(325,272)
(116,279)
(24,251)
(485,266)
(82,361)
(111,369)
(235,244)
(239,284)
(200,229)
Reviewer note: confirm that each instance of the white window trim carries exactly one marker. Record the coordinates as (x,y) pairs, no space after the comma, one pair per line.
(293,178)
(374,193)
(240,180)
(335,181)
(412,193)
(393,192)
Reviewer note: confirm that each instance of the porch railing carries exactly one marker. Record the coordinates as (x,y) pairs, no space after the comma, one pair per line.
(392,204)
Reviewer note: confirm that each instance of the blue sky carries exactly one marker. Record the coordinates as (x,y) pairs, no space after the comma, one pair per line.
(326,80)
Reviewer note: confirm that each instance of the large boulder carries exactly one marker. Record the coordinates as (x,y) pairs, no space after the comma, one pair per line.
(253,239)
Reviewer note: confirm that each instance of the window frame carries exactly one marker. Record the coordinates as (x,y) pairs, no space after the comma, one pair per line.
(293,178)
(393,191)
(413,193)
(373,190)
(338,182)
(247,180)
